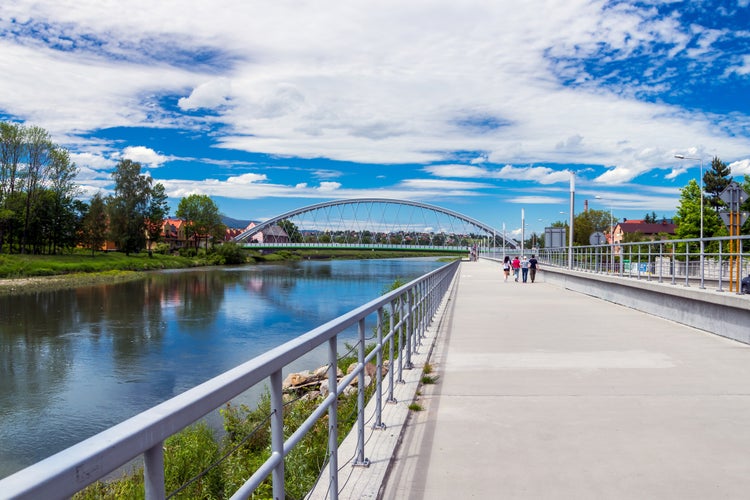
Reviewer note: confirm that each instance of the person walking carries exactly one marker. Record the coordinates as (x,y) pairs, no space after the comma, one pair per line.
(516,265)
(506,267)
(524,269)
(533,266)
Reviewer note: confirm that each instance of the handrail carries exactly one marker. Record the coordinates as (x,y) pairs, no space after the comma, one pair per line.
(721,260)
(71,470)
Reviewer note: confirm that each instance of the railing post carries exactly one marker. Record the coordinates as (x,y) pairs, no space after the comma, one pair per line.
(153,472)
(401,337)
(379,376)
(277,434)
(360,460)
(333,420)
(391,351)
(410,343)
(687,262)
(721,267)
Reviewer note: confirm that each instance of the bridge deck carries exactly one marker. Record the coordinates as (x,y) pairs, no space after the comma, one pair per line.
(546,393)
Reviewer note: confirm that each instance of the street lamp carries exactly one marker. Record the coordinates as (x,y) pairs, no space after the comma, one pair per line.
(611,235)
(572,217)
(700,159)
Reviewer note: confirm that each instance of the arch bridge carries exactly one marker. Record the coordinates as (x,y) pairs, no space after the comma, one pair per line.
(373,223)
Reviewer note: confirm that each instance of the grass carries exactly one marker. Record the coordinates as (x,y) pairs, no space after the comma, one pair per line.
(25,266)
(416,407)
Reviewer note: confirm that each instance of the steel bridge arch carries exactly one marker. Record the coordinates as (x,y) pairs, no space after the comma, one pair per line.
(388,201)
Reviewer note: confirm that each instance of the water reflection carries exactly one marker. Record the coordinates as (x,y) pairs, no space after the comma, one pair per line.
(75,362)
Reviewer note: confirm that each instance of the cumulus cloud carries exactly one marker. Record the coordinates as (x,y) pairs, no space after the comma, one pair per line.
(144,155)
(249,178)
(209,95)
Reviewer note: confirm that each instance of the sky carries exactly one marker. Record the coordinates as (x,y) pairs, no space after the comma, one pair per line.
(483,107)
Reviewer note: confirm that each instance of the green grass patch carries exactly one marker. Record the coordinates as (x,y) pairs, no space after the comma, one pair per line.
(416,407)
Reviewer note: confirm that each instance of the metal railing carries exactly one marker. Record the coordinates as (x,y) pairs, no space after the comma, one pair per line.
(723,261)
(409,309)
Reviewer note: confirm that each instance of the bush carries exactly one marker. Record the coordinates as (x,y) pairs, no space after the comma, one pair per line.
(232,253)
(188,252)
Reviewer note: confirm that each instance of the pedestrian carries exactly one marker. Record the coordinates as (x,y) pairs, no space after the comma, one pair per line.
(533,266)
(516,265)
(524,269)
(506,267)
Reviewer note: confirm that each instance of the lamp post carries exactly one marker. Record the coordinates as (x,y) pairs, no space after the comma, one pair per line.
(611,235)
(572,212)
(700,159)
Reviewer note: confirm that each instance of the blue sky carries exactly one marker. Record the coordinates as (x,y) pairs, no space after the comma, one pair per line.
(481,107)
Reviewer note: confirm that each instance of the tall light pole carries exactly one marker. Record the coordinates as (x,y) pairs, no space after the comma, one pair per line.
(572,216)
(700,159)
(611,235)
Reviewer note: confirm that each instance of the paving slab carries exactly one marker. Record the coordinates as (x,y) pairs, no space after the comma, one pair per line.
(548,393)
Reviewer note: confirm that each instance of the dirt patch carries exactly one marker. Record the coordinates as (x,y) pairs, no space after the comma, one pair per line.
(21,286)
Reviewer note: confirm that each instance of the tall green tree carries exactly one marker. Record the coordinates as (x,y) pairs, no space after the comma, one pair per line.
(291,230)
(12,141)
(202,218)
(688,216)
(127,207)
(715,180)
(589,222)
(94,226)
(157,211)
(38,157)
(61,181)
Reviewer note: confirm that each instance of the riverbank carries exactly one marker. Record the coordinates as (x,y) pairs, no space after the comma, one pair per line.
(22,274)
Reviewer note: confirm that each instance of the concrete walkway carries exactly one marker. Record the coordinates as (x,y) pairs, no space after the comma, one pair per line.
(546,393)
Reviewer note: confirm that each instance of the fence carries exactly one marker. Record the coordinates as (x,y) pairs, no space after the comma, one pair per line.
(409,309)
(721,260)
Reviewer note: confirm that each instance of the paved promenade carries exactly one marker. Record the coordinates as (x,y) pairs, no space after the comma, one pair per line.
(546,393)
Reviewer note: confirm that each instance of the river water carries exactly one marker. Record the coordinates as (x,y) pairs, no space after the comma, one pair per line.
(75,362)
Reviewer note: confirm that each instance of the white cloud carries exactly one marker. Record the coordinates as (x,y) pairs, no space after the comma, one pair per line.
(741,167)
(144,155)
(248,178)
(209,95)
(360,83)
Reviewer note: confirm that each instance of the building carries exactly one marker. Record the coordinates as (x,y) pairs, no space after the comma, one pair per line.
(647,230)
(271,234)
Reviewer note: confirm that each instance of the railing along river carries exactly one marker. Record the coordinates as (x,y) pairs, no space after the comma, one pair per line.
(721,260)
(413,304)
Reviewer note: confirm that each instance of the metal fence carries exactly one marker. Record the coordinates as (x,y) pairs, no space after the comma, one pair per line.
(722,261)
(409,309)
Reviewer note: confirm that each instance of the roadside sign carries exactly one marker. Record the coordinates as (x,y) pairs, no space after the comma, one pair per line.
(725,217)
(597,238)
(733,194)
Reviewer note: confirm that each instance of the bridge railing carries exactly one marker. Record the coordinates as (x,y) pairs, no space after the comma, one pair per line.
(723,261)
(409,309)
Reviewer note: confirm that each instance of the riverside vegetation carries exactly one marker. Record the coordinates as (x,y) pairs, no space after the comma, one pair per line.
(24,273)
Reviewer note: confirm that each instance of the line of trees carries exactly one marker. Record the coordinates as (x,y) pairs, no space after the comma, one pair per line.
(40,212)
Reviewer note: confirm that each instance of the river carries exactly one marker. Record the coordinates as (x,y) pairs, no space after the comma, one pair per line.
(75,362)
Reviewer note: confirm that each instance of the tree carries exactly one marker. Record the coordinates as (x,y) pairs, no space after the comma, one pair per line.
(590,222)
(715,181)
(38,157)
(127,207)
(157,211)
(11,151)
(61,181)
(291,230)
(201,216)
(94,227)
(688,216)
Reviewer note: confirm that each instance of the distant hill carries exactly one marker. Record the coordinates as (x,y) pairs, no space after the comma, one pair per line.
(234,223)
